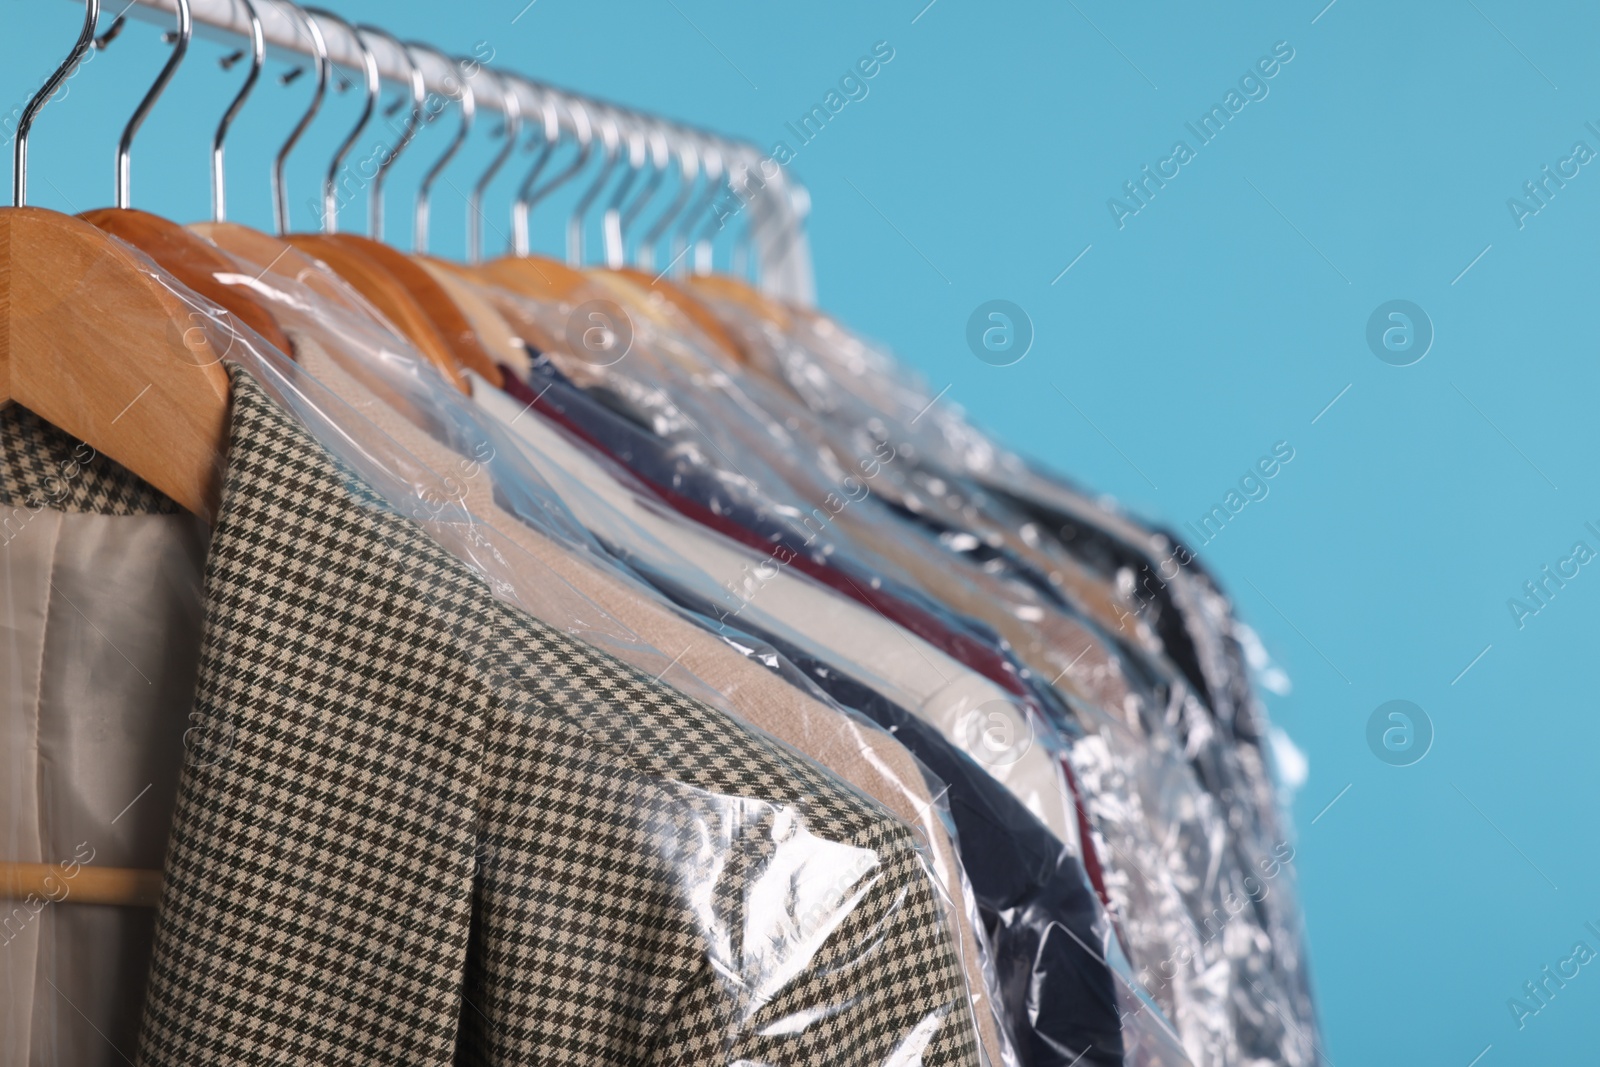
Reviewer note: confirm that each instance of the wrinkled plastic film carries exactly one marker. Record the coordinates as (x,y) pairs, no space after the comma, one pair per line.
(767,458)
(387,365)
(1051,939)
(1261,936)
(746,416)
(959,728)
(922,815)
(737,425)
(1200,1013)
(426,397)
(722,438)
(788,895)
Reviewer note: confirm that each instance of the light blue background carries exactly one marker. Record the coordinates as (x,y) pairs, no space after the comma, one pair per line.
(1223,318)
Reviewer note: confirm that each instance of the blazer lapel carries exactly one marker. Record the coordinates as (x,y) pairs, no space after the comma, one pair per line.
(321,859)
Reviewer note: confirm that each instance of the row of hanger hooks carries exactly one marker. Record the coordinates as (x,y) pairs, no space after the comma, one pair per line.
(717,181)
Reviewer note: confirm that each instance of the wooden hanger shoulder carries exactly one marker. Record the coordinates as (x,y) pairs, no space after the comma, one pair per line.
(268,257)
(447,316)
(535,276)
(263,250)
(195,262)
(691,308)
(537,335)
(488,325)
(739,292)
(97,346)
(393,299)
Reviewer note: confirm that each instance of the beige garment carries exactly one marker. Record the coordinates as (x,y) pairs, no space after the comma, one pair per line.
(855,751)
(99,647)
(494,333)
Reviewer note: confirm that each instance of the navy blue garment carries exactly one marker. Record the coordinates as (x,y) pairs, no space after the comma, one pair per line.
(1033,896)
(607,422)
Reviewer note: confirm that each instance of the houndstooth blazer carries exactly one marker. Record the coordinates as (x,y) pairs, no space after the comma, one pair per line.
(421,827)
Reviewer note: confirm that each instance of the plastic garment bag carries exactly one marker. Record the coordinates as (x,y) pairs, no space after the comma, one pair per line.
(975,721)
(821,732)
(631,538)
(1245,915)
(712,488)
(854,750)
(769,704)
(679,432)
(770,912)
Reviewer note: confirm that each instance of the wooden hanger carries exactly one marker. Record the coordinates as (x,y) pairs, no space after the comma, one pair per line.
(691,308)
(95,345)
(121,886)
(254,247)
(268,254)
(408,297)
(545,280)
(435,300)
(195,262)
(553,284)
(536,335)
(535,276)
(738,291)
(503,342)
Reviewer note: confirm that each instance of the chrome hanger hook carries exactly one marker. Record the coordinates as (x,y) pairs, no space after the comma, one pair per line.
(610,137)
(369,70)
(19,174)
(755,216)
(797,204)
(258,58)
(685,240)
(419,93)
(469,109)
(611,222)
(705,243)
(280,192)
(125,145)
(522,205)
(583,133)
(738,254)
(513,130)
(688,175)
(660,160)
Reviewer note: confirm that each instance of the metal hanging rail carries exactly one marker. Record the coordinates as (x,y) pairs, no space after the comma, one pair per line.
(777,221)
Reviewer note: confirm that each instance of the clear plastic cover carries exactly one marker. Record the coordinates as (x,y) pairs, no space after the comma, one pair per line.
(669,385)
(958,764)
(759,909)
(948,666)
(1179,764)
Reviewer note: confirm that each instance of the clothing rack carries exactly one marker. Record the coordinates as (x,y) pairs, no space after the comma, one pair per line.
(776,202)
